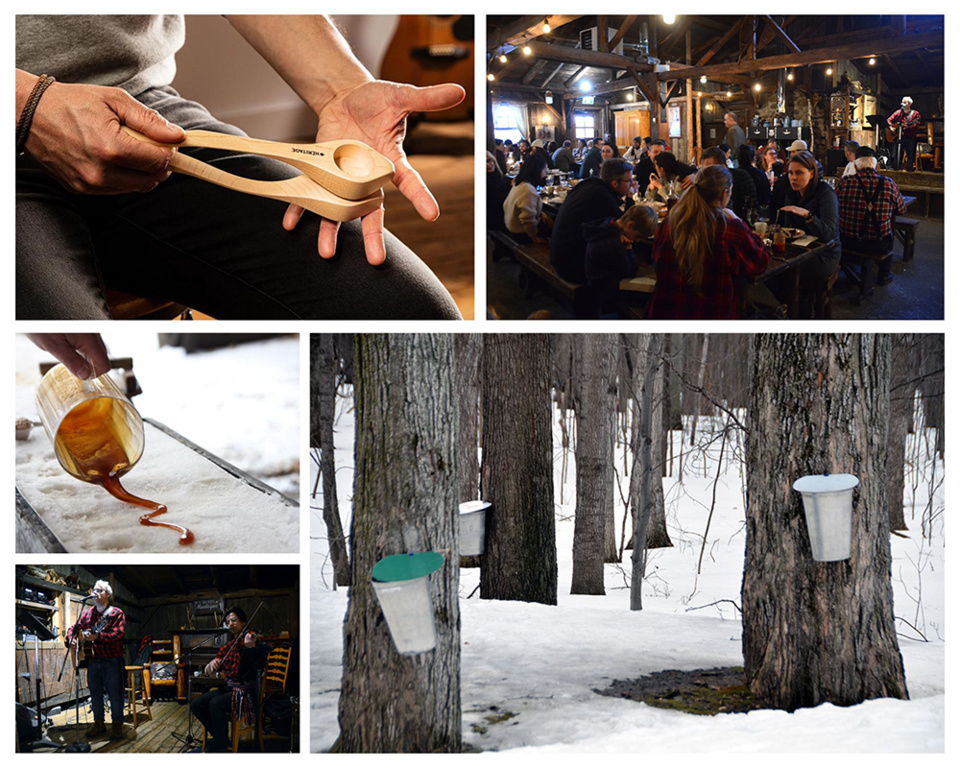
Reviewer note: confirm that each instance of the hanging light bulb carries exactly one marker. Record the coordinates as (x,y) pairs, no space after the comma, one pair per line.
(756,87)
(526,50)
(669,19)
(584,86)
(872,61)
(490,77)
(790,76)
(829,70)
(703,78)
(546,27)
(729,94)
(629,95)
(503,58)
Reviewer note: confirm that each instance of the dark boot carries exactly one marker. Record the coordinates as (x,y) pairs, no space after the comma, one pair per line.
(96,729)
(116,731)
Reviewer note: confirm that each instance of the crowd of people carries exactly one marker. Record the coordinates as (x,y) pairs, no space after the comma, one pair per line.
(706,250)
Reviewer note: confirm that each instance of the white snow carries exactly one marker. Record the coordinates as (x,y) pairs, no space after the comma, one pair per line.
(543,663)
(239,403)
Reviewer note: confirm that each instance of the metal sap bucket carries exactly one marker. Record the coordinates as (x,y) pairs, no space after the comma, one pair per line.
(402,585)
(828,507)
(473,526)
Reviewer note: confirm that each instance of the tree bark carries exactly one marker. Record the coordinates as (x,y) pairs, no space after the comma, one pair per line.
(469,350)
(595,399)
(520,558)
(323,381)
(405,500)
(903,384)
(816,632)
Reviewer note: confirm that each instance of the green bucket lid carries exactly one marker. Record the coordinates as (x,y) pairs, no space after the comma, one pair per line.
(407,567)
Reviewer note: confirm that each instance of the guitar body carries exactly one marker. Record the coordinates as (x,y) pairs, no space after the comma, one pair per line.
(893,135)
(85,650)
(431,50)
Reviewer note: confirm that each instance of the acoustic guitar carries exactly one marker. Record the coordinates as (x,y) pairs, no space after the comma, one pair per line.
(85,650)
(430,50)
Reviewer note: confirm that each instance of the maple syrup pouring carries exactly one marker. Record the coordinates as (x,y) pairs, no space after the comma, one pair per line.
(93,444)
(113,487)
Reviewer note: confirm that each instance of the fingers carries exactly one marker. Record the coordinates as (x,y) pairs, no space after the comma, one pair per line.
(139,155)
(292,217)
(327,241)
(74,350)
(132,113)
(411,185)
(432,98)
(372,228)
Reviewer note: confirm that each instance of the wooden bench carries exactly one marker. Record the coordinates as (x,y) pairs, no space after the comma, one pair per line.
(867,262)
(538,272)
(905,231)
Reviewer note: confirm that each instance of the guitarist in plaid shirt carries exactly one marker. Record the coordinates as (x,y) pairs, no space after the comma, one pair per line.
(102,627)
(237,662)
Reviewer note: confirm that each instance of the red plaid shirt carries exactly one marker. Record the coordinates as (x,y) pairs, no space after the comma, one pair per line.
(737,252)
(109,645)
(910,124)
(855,221)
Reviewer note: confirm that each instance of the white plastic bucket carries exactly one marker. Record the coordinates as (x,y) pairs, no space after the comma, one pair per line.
(828,507)
(402,585)
(473,526)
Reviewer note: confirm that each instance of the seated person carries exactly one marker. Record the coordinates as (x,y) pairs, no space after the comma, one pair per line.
(744,191)
(868,204)
(670,178)
(770,164)
(635,152)
(609,256)
(563,159)
(643,170)
(608,150)
(850,148)
(580,150)
(727,160)
(595,198)
(747,161)
(523,208)
(810,204)
(701,250)
(498,187)
(94,203)
(590,165)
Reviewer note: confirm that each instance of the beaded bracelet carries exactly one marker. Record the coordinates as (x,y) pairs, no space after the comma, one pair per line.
(26,116)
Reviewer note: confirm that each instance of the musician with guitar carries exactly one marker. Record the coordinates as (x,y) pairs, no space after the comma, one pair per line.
(901,132)
(98,639)
(237,663)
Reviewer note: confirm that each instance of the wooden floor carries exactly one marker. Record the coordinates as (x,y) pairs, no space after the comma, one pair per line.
(153,734)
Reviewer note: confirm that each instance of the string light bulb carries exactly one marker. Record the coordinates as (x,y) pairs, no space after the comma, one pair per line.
(790,76)
(490,77)
(669,19)
(526,50)
(756,87)
(503,58)
(872,61)
(703,78)
(546,27)
(829,70)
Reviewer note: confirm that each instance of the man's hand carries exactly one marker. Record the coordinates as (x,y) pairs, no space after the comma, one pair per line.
(250,640)
(212,667)
(83,354)
(375,113)
(75,136)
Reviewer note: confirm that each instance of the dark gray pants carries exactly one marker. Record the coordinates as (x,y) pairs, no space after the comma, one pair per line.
(105,676)
(209,248)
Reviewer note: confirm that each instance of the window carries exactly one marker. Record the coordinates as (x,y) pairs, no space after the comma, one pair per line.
(504,123)
(584,125)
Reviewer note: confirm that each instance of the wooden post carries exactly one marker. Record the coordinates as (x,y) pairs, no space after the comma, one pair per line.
(690,144)
(699,129)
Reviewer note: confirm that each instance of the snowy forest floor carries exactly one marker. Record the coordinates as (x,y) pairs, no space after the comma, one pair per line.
(530,673)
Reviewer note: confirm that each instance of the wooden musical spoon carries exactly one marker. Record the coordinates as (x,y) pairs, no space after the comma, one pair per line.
(349,169)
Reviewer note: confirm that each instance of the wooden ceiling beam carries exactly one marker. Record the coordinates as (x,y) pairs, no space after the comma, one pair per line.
(777,30)
(621,33)
(569,55)
(814,56)
(530,27)
(722,41)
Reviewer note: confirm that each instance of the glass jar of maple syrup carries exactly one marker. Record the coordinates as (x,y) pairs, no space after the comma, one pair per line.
(95,430)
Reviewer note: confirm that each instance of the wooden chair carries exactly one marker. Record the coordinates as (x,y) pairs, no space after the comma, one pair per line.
(272,679)
(135,705)
(905,231)
(823,301)
(933,155)
(127,306)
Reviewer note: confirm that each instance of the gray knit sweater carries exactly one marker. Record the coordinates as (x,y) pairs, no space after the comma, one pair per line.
(132,52)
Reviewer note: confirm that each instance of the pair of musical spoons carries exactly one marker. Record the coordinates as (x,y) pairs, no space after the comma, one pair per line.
(341,180)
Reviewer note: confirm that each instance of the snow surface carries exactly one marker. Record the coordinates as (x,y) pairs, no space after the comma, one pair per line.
(543,663)
(224,512)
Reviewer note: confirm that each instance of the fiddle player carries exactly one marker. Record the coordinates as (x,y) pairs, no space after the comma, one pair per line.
(237,662)
(103,626)
(909,119)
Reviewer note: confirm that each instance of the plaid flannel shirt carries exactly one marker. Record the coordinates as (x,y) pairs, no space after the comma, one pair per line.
(910,124)
(737,252)
(854,210)
(109,645)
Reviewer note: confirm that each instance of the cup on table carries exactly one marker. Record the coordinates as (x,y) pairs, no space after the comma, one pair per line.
(761,228)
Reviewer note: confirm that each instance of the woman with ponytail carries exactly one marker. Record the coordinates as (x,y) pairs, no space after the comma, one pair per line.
(701,250)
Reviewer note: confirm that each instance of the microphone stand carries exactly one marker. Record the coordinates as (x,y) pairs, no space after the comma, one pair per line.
(77,745)
(188,739)
(40,632)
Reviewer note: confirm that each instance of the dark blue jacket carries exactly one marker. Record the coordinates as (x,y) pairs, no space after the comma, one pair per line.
(590,200)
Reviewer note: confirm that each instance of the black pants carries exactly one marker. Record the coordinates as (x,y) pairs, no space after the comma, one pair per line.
(908,145)
(212,709)
(221,252)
